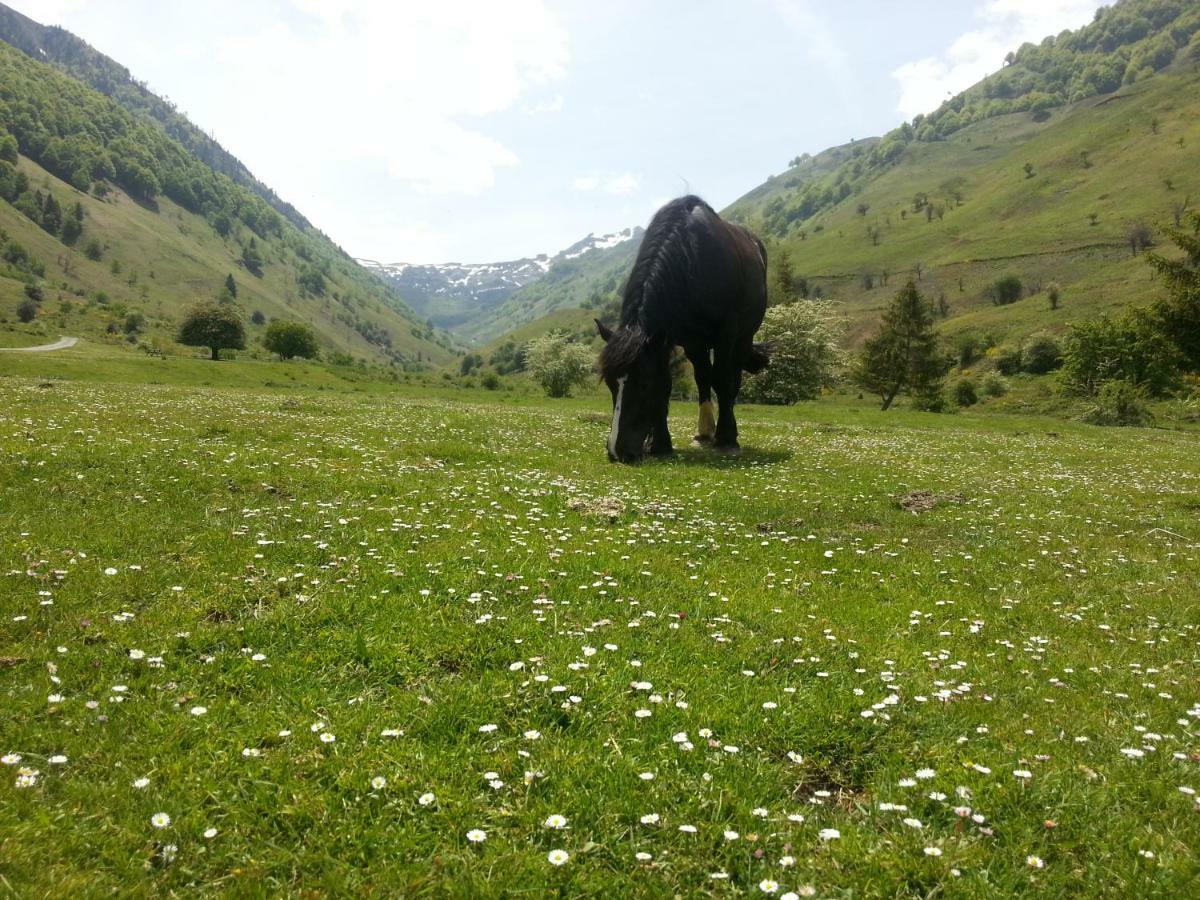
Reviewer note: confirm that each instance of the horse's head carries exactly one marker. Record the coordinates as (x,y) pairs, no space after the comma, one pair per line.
(636,368)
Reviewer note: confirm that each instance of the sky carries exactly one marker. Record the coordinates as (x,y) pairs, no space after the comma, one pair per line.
(485,130)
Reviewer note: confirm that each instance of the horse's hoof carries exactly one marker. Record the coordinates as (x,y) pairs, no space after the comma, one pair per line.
(728,449)
(702,440)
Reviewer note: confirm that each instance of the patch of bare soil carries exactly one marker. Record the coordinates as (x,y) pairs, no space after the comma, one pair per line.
(923,501)
(608,508)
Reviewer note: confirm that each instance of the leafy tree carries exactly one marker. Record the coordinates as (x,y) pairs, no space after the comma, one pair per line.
(470,363)
(134,322)
(290,339)
(1179,313)
(27,310)
(1053,294)
(8,148)
(804,353)
(93,250)
(311,281)
(258,318)
(903,354)
(34,292)
(1140,237)
(508,359)
(216,326)
(965,392)
(558,364)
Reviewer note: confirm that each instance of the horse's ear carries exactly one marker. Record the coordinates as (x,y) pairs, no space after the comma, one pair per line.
(605,331)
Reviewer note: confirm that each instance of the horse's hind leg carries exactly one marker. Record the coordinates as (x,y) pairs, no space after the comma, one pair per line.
(727,379)
(706,429)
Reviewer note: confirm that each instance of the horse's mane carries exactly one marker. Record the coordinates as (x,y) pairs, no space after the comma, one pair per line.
(658,282)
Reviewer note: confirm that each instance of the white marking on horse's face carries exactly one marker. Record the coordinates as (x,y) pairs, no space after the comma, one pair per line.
(616,419)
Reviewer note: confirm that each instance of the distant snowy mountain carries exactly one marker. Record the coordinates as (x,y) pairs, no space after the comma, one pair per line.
(454,295)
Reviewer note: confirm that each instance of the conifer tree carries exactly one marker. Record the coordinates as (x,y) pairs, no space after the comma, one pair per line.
(903,355)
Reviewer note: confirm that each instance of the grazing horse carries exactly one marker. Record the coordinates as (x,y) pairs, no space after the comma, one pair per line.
(699,283)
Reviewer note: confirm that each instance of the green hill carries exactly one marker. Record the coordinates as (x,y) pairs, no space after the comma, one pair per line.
(1107,119)
(120,229)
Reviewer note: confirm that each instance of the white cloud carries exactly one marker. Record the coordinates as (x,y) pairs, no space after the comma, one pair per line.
(395,85)
(1005,24)
(625,183)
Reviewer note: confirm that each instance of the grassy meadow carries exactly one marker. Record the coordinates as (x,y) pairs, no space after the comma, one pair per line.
(332,636)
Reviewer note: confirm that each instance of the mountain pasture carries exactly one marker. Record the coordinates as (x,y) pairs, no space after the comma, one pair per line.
(348,638)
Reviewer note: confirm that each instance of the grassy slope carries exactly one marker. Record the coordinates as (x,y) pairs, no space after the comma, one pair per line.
(391,580)
(1037,228)
(189,262)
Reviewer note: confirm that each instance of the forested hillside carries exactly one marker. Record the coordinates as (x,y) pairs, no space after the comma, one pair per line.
(110,225)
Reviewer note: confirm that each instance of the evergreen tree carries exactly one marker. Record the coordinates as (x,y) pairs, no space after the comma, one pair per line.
(1179,314)
(231,285)
(251,258)
(781,288)
(218,327)
(903,355)
(52,218)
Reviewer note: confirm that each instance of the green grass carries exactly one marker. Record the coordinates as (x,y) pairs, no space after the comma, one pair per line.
(349,561)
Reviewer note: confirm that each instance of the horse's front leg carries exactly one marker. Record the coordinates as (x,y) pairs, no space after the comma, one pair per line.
(660,435)
(727,379)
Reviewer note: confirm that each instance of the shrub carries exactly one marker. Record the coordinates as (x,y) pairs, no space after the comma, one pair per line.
(1119,403)
(258,318)
(965,393)
(93,250)
(1130,348)
(1041,355)
(994,385)
(27,310)
(1053,294)
(558,364)
(1008,360)
(134,322)
(34,292)
(1004,291)
(491,381)
(804,353)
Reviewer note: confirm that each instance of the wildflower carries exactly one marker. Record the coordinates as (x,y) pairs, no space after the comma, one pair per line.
(532,734)
(767,886)
(925,774)
(427,799)
(642,856)
(650,819)
(57,760)
(829,834)
(198,710)
(557,857)
(933,851)
(160,820)
(378,782)
(476,836)
(642,714)
(251,752)
(10,759)
(140,783)
(914,823)
(327,738)
(556,821)
(731,835)
(1022,773)
(210,833)
(1035,862)
(688,829)
(137,654)
(488,728)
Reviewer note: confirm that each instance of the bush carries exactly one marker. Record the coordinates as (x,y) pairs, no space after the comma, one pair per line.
(34,293)
(965,393)
(27,310)
(932,399)
(1130,348)
(491,381)
(258,318)
(93,250)
(134,322)
(803,337)
(1008,360)
(1053,294)
(1005,290)
(558,364)
(1041,355)
(1119,403)
(993,385)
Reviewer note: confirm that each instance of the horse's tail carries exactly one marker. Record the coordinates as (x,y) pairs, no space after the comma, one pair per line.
(758,358)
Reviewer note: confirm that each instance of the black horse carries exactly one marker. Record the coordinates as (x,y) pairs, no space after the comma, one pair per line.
(699,283)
